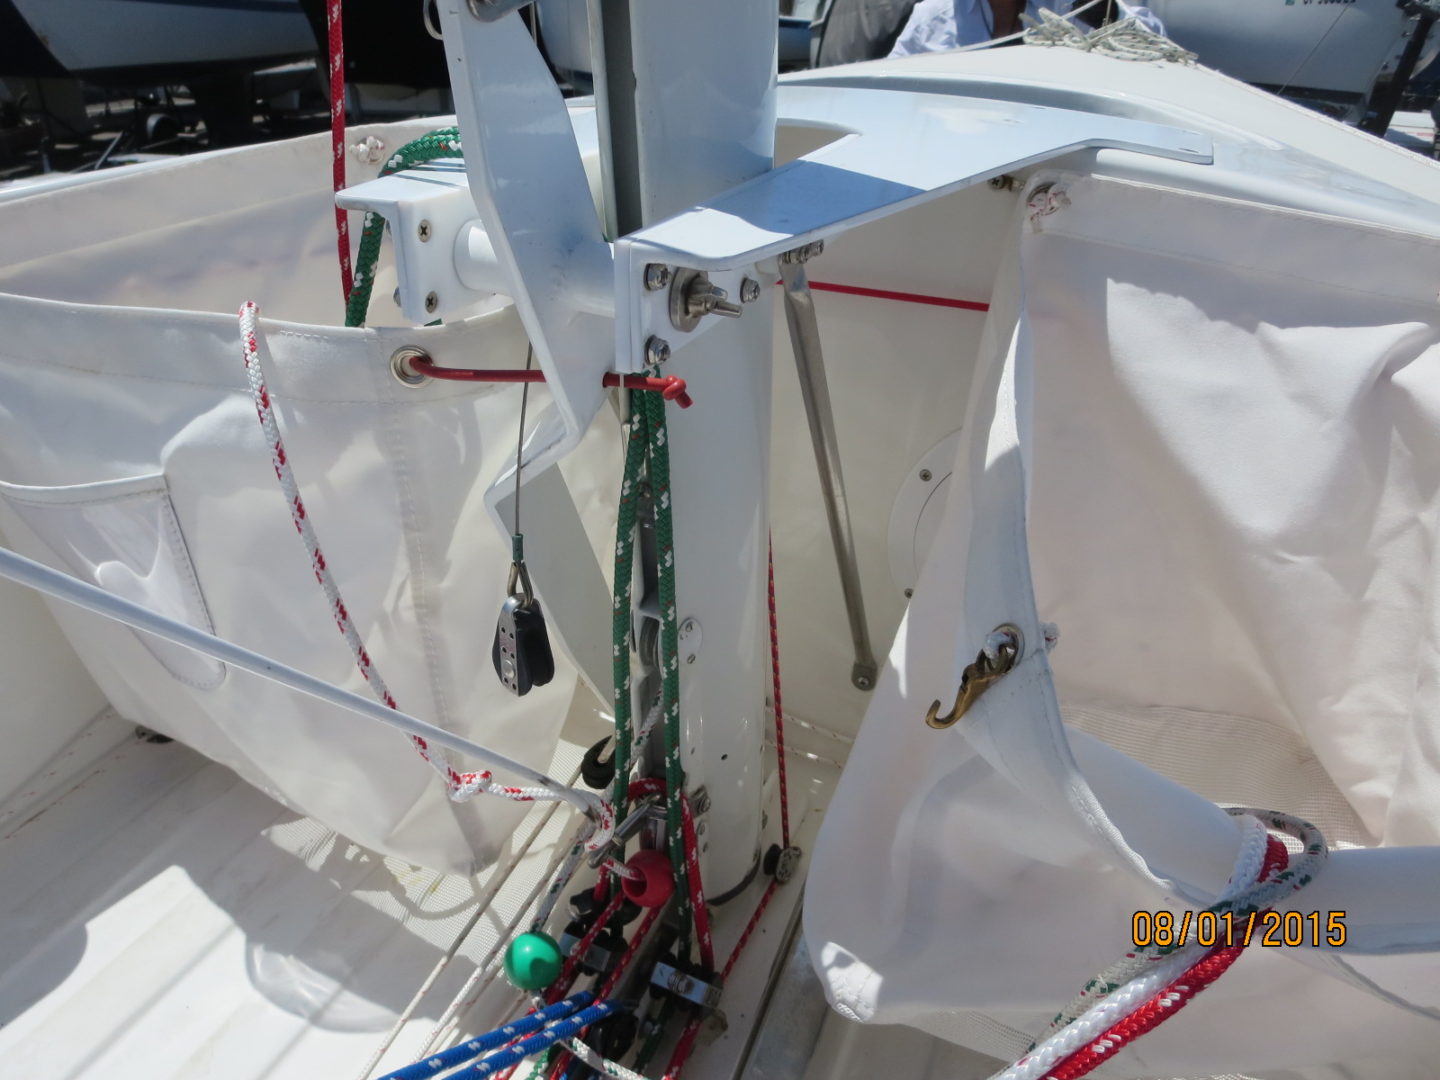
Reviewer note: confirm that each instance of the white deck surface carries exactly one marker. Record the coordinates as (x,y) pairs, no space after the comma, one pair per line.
(162,918)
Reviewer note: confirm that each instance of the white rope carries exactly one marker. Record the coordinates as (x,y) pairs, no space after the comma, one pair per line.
(646,726)
(1020,34)
(498,880)
(487,970)
(1101,1017)
(1093,1017)
(1127,39)
(1250,895)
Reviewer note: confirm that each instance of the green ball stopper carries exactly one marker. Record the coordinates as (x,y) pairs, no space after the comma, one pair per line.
(533,961)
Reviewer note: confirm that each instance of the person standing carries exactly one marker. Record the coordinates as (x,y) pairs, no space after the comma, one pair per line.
(936,25)
(861,30)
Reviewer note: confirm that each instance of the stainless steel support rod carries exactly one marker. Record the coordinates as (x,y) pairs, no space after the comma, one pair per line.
(810,363)
(93,598)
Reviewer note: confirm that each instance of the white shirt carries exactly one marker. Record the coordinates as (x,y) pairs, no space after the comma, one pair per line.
(936,25)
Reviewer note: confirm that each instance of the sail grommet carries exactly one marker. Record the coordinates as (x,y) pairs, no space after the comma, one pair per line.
(401,368)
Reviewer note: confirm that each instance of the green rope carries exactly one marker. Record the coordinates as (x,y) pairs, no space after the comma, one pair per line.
(438,144)
(624,578)
(649,448)
(652,1043)
(659,463)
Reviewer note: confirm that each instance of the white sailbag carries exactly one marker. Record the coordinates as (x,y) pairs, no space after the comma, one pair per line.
(131,457)
(1204,441)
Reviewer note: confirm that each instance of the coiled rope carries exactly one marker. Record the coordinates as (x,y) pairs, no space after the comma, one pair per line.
(1127,39)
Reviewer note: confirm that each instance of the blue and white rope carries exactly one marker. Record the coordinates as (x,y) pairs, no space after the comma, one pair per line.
(491,1040)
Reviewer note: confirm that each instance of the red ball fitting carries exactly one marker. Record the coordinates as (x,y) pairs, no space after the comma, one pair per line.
(651,883)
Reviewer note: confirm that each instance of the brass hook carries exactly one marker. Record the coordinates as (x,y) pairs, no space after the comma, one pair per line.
(981,675)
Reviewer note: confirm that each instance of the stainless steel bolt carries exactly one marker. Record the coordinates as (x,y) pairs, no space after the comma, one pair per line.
(925,475)
(657,277)
(657,351)
(862,682)
(424,231)
(431,302)
(749,291)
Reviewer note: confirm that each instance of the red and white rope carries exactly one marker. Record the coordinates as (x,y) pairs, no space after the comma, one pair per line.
(337,138)
(1162,986)
(460,785)
(1165,1003)
(697,890)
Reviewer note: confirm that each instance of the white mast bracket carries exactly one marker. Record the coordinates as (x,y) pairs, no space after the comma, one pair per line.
(898,149)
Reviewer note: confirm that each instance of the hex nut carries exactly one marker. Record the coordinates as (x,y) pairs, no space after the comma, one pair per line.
(657,351)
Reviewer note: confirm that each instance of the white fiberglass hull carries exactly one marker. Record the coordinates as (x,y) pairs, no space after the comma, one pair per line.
(284,949)
(156,40)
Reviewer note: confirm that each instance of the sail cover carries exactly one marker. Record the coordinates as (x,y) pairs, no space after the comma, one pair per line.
(131,457)
(1204,441)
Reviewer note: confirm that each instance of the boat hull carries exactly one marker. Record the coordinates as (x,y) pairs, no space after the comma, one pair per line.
(140,42)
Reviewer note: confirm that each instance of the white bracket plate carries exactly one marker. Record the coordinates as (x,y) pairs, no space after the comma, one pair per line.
(898,149)
(427,207)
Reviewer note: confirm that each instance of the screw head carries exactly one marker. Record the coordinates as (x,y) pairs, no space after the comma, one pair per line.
(657,277)
(657,351)
(424,231)
(862,682)
(909,593)
(925,475)
(749,291)
(431,302)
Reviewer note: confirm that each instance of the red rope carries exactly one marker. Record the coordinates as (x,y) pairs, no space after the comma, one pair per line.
(670,387)
(686,1044)
(779,711)
(697,891)
(562,985)
(613,979)
(1168,1001)
(337,139)
(903,297)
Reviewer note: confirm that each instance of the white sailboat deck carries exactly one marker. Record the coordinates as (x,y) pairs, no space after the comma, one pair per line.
(165,918)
